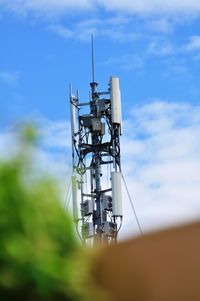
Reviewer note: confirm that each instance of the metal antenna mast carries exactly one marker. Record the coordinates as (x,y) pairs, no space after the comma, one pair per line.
(96,149)
(92,42)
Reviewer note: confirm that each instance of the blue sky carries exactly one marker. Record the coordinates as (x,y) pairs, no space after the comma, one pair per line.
(153,47)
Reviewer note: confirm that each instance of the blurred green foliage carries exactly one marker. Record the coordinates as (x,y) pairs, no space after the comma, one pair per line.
(40,258)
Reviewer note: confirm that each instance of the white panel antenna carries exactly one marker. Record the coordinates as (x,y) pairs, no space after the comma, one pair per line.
(116,194)
(115,100)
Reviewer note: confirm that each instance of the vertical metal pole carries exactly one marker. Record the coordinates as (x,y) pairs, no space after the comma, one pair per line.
(96,163)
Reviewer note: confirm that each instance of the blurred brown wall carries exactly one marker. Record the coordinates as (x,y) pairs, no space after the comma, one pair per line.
(156,267)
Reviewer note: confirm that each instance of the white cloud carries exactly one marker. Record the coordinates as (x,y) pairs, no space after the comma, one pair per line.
(45,7)
(10,78)
(54,7)
(114,28)
(193,44)
(62,31)
(161,25)
(153,6)
(162,165)
(160,48)
(79,31)
(52,153)
(121,23)
(136,61)
(55,134)
(127,62)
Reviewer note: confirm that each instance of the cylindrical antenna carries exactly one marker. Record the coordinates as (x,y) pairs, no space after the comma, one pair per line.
(73,122)
(115,101)
(116,194)
(92,44)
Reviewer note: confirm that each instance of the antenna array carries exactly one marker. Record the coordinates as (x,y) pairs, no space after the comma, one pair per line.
(97,201)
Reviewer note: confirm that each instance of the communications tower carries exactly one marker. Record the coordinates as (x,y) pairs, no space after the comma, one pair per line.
(96,127)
